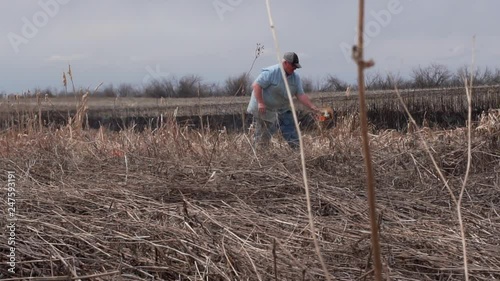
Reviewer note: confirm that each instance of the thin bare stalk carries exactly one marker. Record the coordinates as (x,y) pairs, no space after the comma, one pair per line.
(370,181)
(126,166)
(65,83)
(427,149)
(468,91)
(39,104)
(70,73)
(301,146)
(258,51)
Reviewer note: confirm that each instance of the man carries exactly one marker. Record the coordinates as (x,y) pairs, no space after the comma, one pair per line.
(269,103)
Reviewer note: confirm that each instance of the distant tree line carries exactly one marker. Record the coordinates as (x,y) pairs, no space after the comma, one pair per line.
(190,86)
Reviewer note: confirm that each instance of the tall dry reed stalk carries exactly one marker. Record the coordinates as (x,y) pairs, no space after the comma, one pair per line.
(301,147)
(468,84)
(358,52)
(39,105)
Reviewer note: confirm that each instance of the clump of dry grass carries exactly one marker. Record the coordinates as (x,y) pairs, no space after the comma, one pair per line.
(174,204)
(489,126)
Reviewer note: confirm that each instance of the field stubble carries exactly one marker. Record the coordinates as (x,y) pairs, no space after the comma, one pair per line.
(428,100)
(179,204)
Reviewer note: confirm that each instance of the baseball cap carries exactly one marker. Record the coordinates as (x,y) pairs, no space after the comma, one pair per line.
(292,58)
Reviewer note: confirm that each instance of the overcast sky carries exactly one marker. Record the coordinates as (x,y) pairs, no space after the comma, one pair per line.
(134,41)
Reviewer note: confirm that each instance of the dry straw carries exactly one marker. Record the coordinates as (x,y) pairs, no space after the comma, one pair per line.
(457,201)
(301,146)
(176,216)
(171,203)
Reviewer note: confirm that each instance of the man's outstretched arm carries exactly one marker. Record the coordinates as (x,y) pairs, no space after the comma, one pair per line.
(304,99)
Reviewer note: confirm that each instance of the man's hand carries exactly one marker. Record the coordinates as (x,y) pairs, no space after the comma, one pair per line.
(260,100)
(262,107)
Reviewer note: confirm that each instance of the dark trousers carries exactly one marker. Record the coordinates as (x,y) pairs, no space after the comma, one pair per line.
(264,130)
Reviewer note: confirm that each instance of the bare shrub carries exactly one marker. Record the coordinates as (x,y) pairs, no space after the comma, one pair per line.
(308,85)
(482,77)
(161,88)
(332,83)
(211,90)
(238,85)
(432,76)
(189,86)
(378,81)
(127,90)
(108,91)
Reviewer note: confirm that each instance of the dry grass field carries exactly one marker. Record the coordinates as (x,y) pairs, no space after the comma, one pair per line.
(424,99)
(172,203)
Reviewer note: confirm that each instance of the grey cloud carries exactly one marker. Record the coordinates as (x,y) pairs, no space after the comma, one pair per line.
(115,40)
